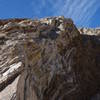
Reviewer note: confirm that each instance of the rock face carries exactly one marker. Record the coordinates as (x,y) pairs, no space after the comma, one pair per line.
(52,59)
(90,31)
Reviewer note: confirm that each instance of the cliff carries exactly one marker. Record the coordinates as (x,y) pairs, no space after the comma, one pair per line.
(48,59)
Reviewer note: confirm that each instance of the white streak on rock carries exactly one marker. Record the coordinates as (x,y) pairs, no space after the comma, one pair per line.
(12,68)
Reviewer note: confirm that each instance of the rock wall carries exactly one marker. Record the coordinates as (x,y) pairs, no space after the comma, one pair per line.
(52,59)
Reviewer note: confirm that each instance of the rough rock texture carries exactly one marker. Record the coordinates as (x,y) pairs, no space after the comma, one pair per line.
(90,31)
(51,58)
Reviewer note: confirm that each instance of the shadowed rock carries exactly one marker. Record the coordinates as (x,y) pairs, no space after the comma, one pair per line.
(63,68)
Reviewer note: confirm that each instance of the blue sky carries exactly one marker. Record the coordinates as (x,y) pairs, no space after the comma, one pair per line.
(85,13)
